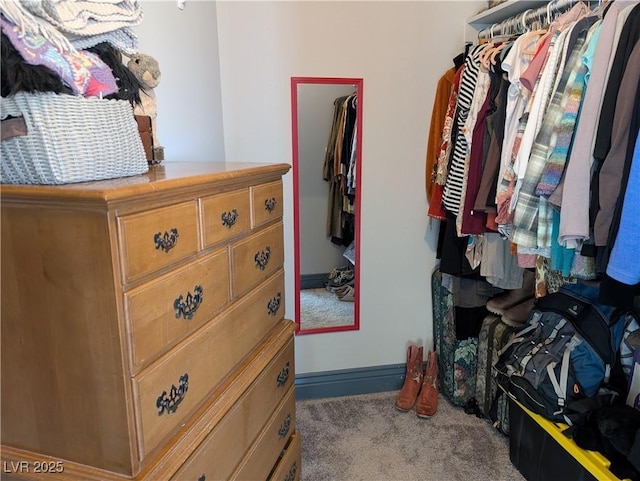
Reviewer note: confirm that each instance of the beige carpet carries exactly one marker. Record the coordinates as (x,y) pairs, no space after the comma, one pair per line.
(321,308)
(364,438)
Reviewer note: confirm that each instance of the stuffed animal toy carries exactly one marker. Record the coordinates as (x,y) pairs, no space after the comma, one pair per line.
(145,68)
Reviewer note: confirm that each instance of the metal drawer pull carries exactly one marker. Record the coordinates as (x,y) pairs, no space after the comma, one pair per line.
(283,376)
(190,305)
(176,396)
(284,427)
(229,218)
(270,204)
(292,473)
(274,304)
(203,477)
(262,258)
(166,241)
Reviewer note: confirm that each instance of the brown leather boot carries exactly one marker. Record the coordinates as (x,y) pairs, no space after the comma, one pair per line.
(428,398)
(413,379)
(518,315)
(499,304)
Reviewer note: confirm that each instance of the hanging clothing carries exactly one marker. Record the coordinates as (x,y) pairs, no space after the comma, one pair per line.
(485,199)
(470,221)
(438,116)
(339,171)
(622,158)
(628,37)
(574,229)
(531,120)
(554,169)
(610,172)
(536,144)
(530,228)
(441,168)
(455,178)
(626,246)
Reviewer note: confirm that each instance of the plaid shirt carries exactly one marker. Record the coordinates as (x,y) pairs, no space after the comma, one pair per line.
(531,229)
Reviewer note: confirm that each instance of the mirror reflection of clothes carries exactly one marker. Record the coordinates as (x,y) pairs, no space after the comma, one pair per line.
(339,171)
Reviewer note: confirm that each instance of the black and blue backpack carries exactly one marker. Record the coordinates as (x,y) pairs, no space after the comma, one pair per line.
(559,365)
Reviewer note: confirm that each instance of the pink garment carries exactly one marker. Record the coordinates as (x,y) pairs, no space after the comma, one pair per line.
(529,77)
(527,261)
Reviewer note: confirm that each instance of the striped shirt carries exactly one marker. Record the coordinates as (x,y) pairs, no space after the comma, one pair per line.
(455,178)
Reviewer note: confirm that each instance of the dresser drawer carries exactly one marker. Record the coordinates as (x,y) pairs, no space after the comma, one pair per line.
(225,216)
(253,259)
(162,311)
(264,453)
(224,448)
(157,238)
(289,466)
(266,202)
(168,391)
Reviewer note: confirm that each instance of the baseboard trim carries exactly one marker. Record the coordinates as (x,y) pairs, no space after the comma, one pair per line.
(312,281)
(347,382)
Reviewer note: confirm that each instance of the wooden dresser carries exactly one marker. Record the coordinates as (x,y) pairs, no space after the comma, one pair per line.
(143,334)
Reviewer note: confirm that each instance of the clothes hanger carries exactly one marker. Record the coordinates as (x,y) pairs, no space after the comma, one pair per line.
(497,44)
(484,35)
(485,53)
(485,58)
(511,32)
(488,45)
(528,33)
(523,21)
(489,57)
(496,52)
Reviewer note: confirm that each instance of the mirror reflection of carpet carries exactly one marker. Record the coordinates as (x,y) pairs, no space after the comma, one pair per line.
(321,308)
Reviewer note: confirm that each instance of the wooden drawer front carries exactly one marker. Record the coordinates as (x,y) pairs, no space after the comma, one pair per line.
(158,238)
(255,258)
(268,301)
(264,453)
(184,377)
(161,312)
(266,202)
(224,448)
(288,468)
(225,216)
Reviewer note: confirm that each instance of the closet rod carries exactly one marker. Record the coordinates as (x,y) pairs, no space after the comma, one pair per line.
(525,18)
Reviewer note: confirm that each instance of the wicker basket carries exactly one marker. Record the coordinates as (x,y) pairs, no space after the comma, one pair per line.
(70,139)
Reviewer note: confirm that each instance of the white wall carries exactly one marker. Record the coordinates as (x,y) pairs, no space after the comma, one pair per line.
(185,43)
(400,49)
(315,116)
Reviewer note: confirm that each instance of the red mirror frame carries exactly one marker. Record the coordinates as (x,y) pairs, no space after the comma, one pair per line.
(358,83)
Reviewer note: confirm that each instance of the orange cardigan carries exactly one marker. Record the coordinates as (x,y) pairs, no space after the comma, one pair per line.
(438,114)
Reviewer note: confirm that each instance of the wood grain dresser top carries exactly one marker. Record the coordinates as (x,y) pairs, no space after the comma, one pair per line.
(164,177)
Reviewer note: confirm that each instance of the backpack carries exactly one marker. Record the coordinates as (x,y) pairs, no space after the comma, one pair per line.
(556,365)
